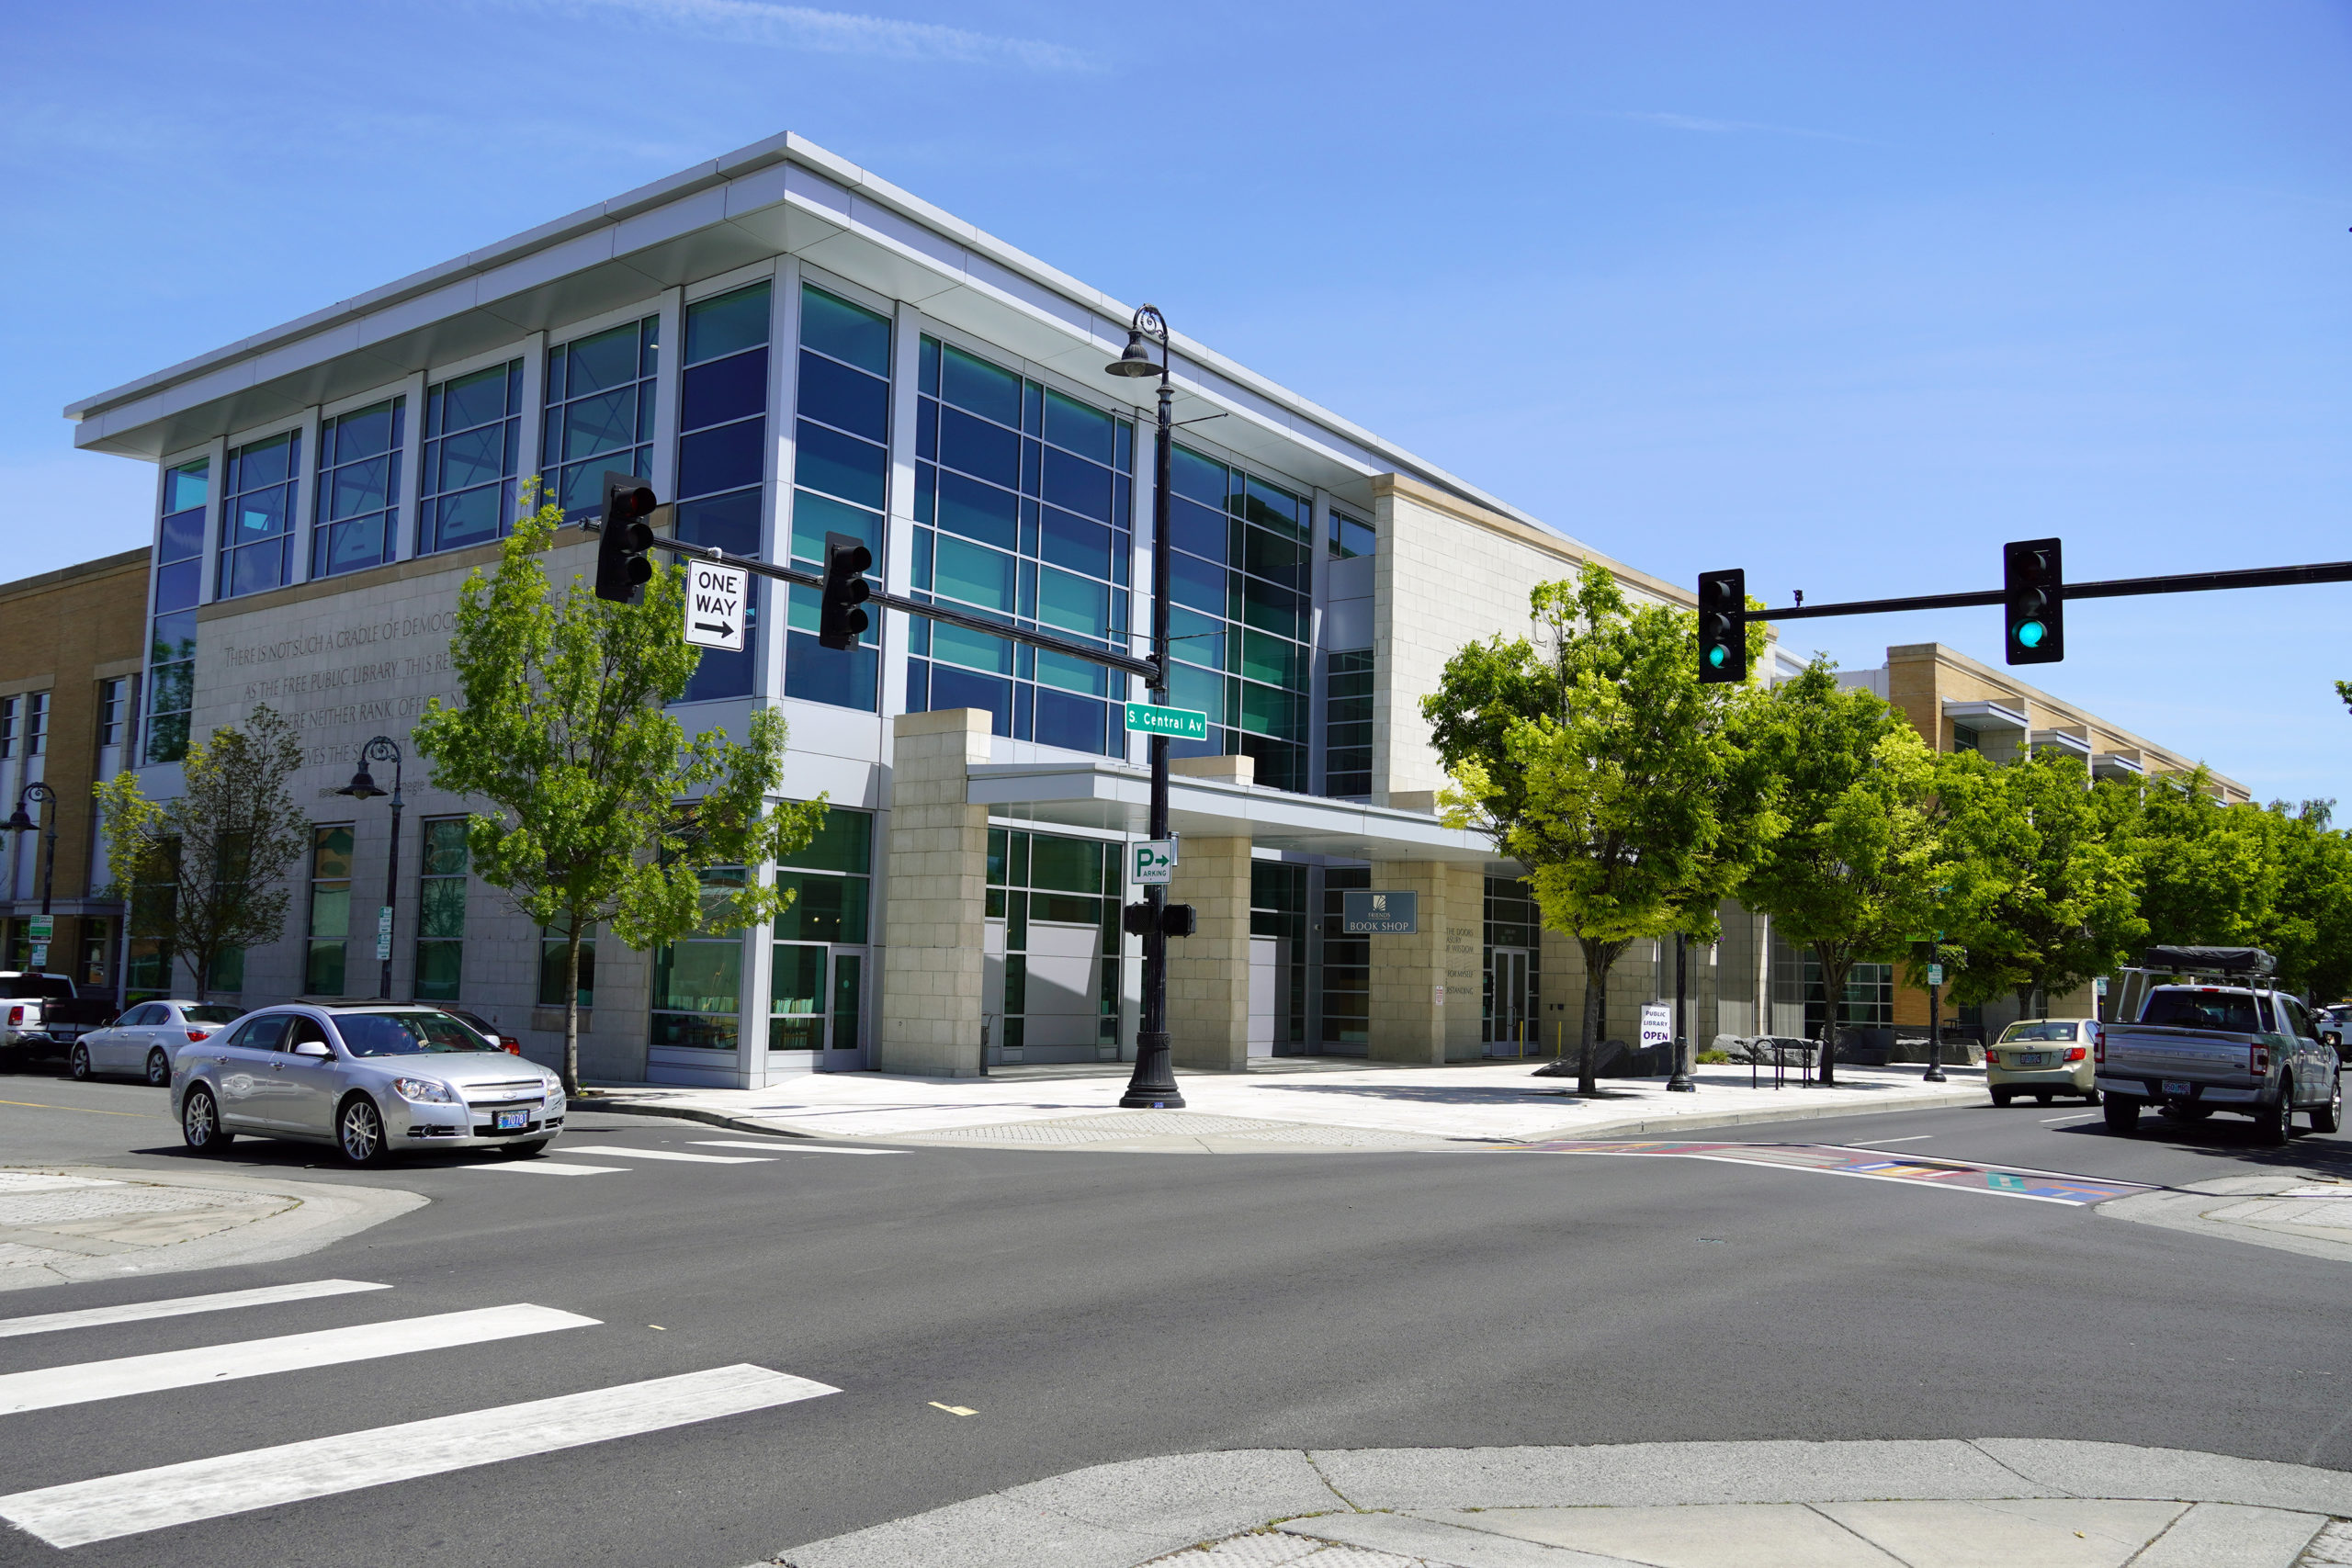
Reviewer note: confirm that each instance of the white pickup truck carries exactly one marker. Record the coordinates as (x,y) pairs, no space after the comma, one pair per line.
(41,1015)
(2198,1029)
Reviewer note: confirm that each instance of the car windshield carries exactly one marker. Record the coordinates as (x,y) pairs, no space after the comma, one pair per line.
(208,1013)
(2173,1008)
(405,1033)
(51,987)
(2041,1029)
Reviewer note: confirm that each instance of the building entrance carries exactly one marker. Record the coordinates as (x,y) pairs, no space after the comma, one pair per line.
(817,1005)
(1510,1023)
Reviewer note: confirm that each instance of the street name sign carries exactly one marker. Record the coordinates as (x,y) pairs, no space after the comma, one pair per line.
(1152,861)
(716,605)
(1177,724)
(1657,1024)
(1380,914)
(383,932)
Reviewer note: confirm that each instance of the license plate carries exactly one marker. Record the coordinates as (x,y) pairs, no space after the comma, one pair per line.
(511,1120)
(2030,1059)
(2175,1086)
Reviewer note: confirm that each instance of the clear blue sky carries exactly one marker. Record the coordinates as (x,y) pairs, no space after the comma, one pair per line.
(1845,294)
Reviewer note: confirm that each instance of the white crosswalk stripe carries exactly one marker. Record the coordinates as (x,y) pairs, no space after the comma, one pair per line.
(179,1306)
(622,1151)
(545,1168)
(776,1146)
(52,1386)
(102,1510)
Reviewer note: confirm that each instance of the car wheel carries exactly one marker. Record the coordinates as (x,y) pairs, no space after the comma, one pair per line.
(2122,1114)
(2041,1097)
(2091,1096)
(2000,1096)
(2329,1118)
(531,1150)
(360,1132)
(2275,1123)
(79,1063)
(159,1070)
(200,1127)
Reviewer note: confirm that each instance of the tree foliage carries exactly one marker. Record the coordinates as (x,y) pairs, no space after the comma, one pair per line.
(203,874)
(562,729)
(1598,762)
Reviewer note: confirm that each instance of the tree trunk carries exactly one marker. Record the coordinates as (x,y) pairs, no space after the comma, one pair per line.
(1598,959)
(1833,1002)
(199,971)
(571,1011)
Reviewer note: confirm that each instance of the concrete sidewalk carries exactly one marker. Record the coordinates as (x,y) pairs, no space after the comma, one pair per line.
(1317,1107)
(1991,1503)
(59,1224)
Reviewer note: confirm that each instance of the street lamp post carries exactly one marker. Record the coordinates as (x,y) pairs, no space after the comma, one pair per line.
(21,823)
(1153,1086)
(382,749)
(1935,1073)
(1681,1082)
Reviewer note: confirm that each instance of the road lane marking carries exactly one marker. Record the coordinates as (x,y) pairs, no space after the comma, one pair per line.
(1914,1138)
(953,1409)
(2077,1116)
(546,1168)
(85,1109)
(114,1505)
(788,1149)
(1868,1165)
(203,1364)
(179,1306)
(616,1151)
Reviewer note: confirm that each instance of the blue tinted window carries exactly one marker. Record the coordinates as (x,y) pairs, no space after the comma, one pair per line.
(725,458)
(1076,544)
(1196,529)
(727,325)
(983,511)
(814,516)
(600,413)
(849,333)
(256,515)
(733,388)
(976,385)
(474,437)
(841,465)
(730,522)
(181,537)
(1201,479)
(978,447)
(1082,486)
(848,398)
(1088,432)
(358,488)
(1349,537)
(188,485)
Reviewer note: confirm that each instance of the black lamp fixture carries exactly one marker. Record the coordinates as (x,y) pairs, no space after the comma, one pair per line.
(382,749)
(19,822)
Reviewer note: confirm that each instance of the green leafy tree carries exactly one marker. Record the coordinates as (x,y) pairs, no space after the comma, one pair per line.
(2059,885)
(203,874)
(2310,930)
(1626,788)
(563,729)
(2209,872)
(1857,871)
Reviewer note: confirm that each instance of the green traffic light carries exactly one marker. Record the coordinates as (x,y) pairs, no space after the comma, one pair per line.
(2030,633)
(1716,655)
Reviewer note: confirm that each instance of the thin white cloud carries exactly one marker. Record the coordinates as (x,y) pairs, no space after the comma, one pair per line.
(836,32)
(1705,126)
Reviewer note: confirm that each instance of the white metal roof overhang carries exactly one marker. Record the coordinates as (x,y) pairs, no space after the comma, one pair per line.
(2114,765)
(2064,741)
(1116,797)
(1982,715)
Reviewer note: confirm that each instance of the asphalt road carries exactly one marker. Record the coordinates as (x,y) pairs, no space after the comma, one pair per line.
(1088,1307)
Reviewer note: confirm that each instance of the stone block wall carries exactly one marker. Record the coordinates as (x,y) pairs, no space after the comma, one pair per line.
(935,874)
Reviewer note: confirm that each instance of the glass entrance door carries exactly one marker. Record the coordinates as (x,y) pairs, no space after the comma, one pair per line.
(1507,1023)
(817,1005)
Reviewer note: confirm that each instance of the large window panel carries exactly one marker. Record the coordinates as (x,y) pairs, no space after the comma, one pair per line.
(599,413)
(473,441)
(841,480)
(171,646)
(358,488)
(257,515)
(722,459)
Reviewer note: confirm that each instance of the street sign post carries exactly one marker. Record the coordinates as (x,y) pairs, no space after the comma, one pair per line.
(1151,862)
(1935,974)
(1380,914)
(1177,724)
(42,928)
(41,955)
(717,602)
(383,932)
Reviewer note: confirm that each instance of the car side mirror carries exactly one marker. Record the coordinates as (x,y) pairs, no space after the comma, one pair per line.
(315,1048)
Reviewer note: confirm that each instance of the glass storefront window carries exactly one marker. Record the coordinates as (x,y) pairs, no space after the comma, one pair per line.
(698,983)
(323,968)
(810,1009)
(441,910)
(840,470)
(1058,899)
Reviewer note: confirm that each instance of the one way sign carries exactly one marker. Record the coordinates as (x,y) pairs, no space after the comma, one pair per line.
(716,603)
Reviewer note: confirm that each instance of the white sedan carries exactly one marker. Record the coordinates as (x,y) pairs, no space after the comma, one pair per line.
(142,1043)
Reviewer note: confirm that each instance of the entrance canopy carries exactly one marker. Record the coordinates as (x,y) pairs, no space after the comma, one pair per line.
(1116,796)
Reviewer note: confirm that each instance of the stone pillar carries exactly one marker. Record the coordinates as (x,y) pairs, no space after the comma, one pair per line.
(1427,989)
(937,874)
(1208,972)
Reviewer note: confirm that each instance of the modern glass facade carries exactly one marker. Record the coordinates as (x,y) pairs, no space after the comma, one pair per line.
(1347,967)
(1278,913)
(1022,501)
(473,447)
(722,456)
(698,983)
(257,515)
(599,413)
(325,964)
(179,584)
(817,982)
(441,910)
(840,481)
(1058,899)
(358,488)
(1240,582)
(1346,725)
(1512,1009)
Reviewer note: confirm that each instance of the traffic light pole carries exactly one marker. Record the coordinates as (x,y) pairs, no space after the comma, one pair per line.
(2114,588)
(1153,1086)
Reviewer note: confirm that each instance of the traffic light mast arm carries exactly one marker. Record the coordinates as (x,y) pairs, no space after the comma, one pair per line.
(2114,588)
(1127,662)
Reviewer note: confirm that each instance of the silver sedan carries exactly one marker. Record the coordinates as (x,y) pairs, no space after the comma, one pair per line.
(370,1079)
(142,1040)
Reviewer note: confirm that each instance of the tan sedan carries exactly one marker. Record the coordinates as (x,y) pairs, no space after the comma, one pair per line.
(2044,1057)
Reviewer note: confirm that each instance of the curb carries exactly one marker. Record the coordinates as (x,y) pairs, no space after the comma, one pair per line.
(323,1212)
(1126,1515)
(695,1113)
(1702,1119)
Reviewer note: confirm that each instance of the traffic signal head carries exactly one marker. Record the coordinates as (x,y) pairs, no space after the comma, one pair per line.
(621,564)
(1175,920)
(2033,602)
(839,620)
(1723,626)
